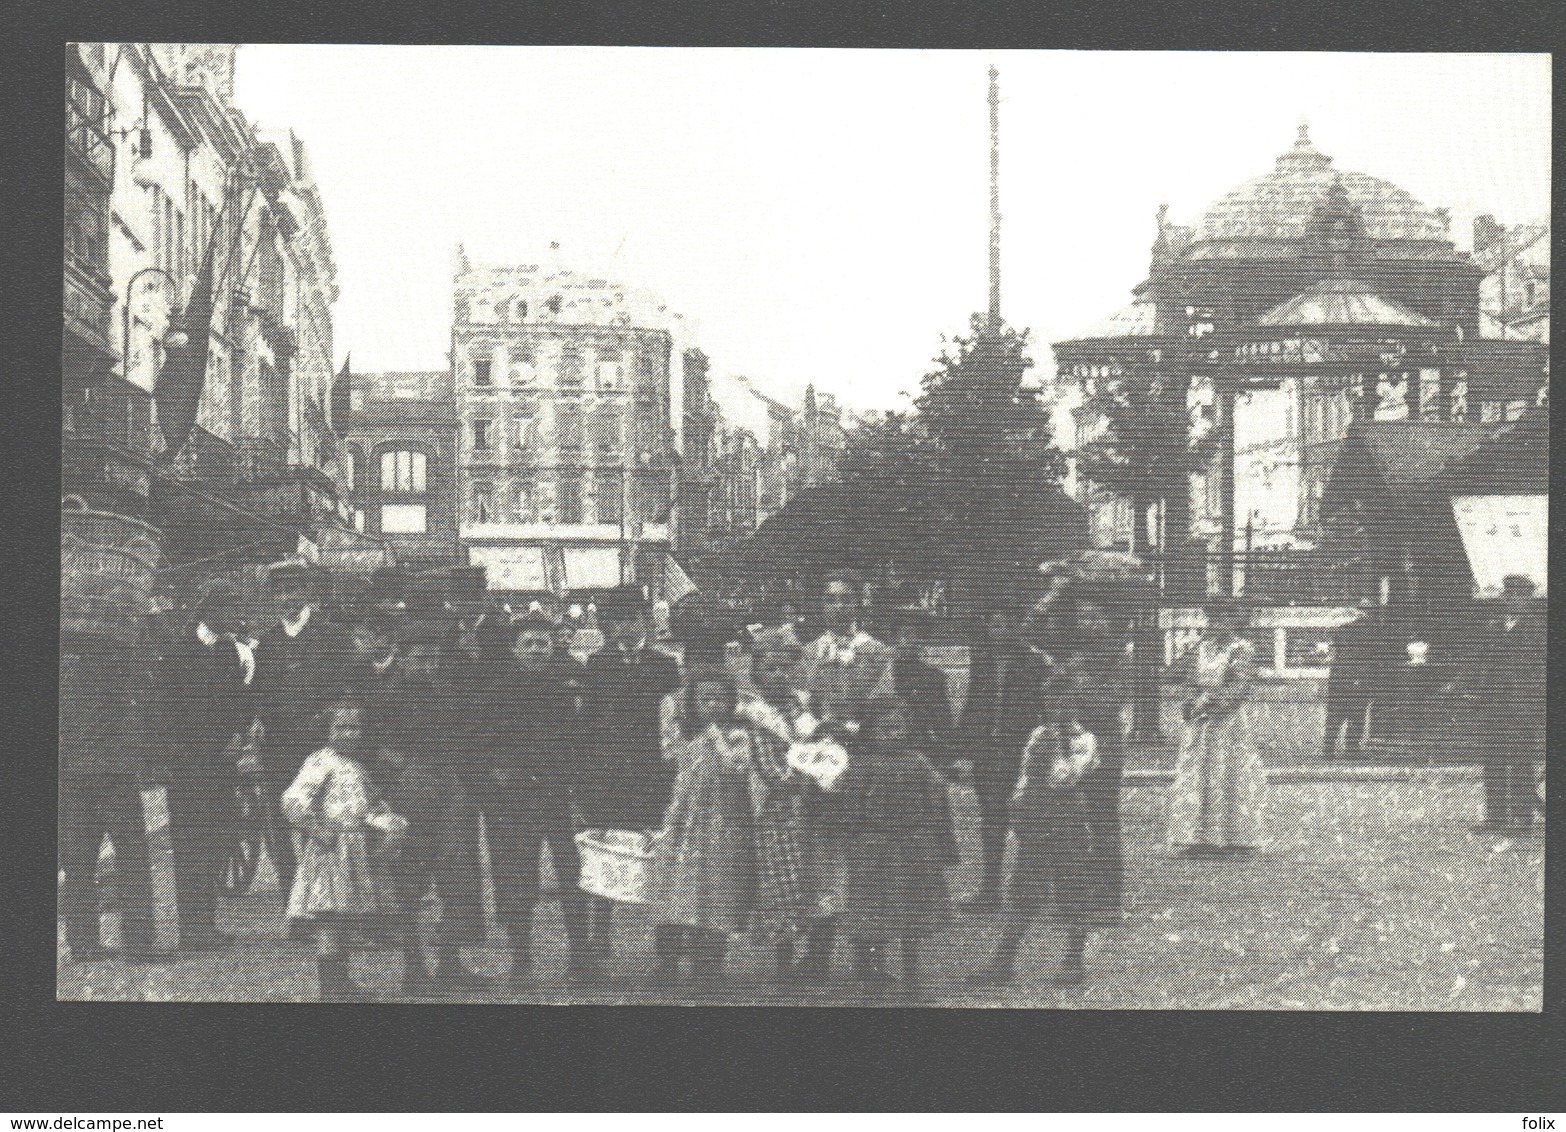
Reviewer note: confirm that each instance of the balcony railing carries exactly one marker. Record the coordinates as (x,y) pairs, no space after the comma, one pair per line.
(294,494)
(86,139)
(1267,577)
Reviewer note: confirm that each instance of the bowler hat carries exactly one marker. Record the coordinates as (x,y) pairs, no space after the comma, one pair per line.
(291,577)
(622,601)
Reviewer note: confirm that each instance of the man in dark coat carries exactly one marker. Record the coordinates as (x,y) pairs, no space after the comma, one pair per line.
(923,688)
(1359,662)
(201,704)
(373,625)
(419,766)
(625,782)
(102,701)
(300,663)
(1003,706)
(1508,692)
(528,754)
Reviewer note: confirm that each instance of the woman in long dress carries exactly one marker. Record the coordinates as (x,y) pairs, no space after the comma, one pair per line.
(1216,800)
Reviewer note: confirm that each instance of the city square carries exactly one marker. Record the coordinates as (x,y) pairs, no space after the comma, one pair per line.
(587,493)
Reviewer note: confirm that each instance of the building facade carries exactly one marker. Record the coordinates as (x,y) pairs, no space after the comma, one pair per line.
(1514,296)
(195,245)
(400,434)
(568,393)
(747,454)
(1299,303)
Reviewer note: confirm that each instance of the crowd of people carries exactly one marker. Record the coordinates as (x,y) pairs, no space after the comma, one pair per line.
(784,784)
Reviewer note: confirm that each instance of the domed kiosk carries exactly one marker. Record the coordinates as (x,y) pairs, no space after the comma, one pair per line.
(1299,303)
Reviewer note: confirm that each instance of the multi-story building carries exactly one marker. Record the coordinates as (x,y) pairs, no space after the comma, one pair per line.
(1302,301)
(1514,296)
(400,431)
(199,288)
(761,454)
(568,393)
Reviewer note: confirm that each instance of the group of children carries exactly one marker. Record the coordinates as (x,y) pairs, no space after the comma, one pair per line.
(799,826)
(787,819)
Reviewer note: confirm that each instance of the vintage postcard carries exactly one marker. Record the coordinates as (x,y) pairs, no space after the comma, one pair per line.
(1019,529)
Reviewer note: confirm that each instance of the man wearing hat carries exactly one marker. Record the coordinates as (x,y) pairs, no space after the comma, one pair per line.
(1508,692)
(300,665)
(201,705)
(419,762)
(527,767)
(625,782)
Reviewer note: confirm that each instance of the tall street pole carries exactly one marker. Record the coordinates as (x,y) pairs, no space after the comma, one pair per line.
(995,216)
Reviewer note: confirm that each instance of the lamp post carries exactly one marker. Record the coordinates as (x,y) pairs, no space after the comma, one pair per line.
(173,337)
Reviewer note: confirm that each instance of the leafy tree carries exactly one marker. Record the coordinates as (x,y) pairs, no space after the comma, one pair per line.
(1144,448)
(969,479)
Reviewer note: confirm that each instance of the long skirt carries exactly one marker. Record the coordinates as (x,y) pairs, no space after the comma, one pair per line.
(334,878)
(703,871)
(703,877)
(781,905)
(826,857)
(1220,785)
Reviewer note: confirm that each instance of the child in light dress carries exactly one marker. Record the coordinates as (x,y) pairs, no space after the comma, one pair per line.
(332,804)
(703,878)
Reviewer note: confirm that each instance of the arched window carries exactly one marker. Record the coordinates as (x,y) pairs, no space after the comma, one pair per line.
(402,471)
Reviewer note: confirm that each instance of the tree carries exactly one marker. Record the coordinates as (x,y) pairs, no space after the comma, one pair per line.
(969,479)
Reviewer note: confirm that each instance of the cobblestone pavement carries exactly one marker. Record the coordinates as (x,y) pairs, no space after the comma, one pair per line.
(1373,895)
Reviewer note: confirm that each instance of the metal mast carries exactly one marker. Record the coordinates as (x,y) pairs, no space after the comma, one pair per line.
(995,216)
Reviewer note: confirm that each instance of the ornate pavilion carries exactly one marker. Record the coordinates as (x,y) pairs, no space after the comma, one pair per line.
(1303,303)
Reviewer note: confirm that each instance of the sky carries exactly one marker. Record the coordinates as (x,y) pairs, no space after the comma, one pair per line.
(821,216)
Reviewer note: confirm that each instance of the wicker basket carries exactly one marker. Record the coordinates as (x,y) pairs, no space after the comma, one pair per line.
(108,564)
(615,864)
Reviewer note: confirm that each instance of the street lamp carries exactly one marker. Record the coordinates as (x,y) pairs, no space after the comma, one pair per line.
(173,338)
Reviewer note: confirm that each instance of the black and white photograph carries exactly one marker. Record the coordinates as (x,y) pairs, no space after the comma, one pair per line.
(1021,529)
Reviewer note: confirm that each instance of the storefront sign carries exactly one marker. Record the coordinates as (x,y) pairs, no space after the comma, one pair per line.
(592,567)
(1504,534)
(511,567)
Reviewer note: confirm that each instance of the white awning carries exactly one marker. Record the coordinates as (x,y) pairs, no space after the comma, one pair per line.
(511,567)
(1505,534)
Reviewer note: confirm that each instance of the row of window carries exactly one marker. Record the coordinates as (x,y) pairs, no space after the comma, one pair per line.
(505,310)
(609,377)
(603,433)
(569,497)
